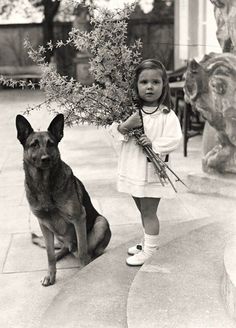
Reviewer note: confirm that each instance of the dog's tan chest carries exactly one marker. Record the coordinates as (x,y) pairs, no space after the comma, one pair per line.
(54,221)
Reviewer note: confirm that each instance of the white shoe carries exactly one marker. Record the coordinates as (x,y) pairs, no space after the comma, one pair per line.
(135,249)
(138,259)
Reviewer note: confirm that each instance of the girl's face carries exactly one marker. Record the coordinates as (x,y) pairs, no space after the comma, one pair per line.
(150,85)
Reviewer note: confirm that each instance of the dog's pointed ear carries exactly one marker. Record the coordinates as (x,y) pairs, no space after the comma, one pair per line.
(56,127)
(24,129)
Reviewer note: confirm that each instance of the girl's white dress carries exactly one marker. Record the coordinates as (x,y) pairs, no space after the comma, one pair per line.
(136,176)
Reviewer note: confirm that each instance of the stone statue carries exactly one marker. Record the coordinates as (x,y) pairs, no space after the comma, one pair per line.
(210,87)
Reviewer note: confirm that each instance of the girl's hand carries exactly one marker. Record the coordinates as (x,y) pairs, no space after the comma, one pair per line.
(144,140)
(134,121)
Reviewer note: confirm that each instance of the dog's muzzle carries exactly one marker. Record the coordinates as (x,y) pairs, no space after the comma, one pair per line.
(45,160)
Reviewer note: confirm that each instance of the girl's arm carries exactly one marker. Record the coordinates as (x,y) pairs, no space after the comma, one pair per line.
(115,132)
(171,135)
(120,131)
(134,121)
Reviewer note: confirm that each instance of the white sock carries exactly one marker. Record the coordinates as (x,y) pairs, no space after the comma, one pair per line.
(150,243)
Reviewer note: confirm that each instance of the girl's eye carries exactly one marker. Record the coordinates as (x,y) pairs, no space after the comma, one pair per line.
(152,82)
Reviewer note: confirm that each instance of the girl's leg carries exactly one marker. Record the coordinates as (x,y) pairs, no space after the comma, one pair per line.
(138,204)
(148,207)
(138,247)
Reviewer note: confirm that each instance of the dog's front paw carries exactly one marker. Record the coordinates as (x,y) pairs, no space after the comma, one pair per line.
(48,280)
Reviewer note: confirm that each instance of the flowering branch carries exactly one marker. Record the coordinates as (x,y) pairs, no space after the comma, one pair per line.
(112,63)
(160,166)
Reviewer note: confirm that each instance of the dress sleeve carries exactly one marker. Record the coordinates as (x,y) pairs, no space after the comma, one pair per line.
(171,136)
(113,130)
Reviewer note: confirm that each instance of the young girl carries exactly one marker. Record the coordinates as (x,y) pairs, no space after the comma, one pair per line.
(162,132)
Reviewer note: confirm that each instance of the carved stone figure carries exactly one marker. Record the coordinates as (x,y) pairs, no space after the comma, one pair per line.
(225,15)
(210,87)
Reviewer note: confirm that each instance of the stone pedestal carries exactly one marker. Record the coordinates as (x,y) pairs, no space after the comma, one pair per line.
(229,278)
(225,186)
(218,184)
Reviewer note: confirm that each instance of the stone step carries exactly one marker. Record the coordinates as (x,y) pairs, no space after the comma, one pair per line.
(97,295)
(180,286)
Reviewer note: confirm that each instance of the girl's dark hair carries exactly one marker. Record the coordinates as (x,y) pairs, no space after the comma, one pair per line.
(165,98)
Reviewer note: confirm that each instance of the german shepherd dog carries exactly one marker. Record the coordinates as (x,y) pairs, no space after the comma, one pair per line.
(58,199)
